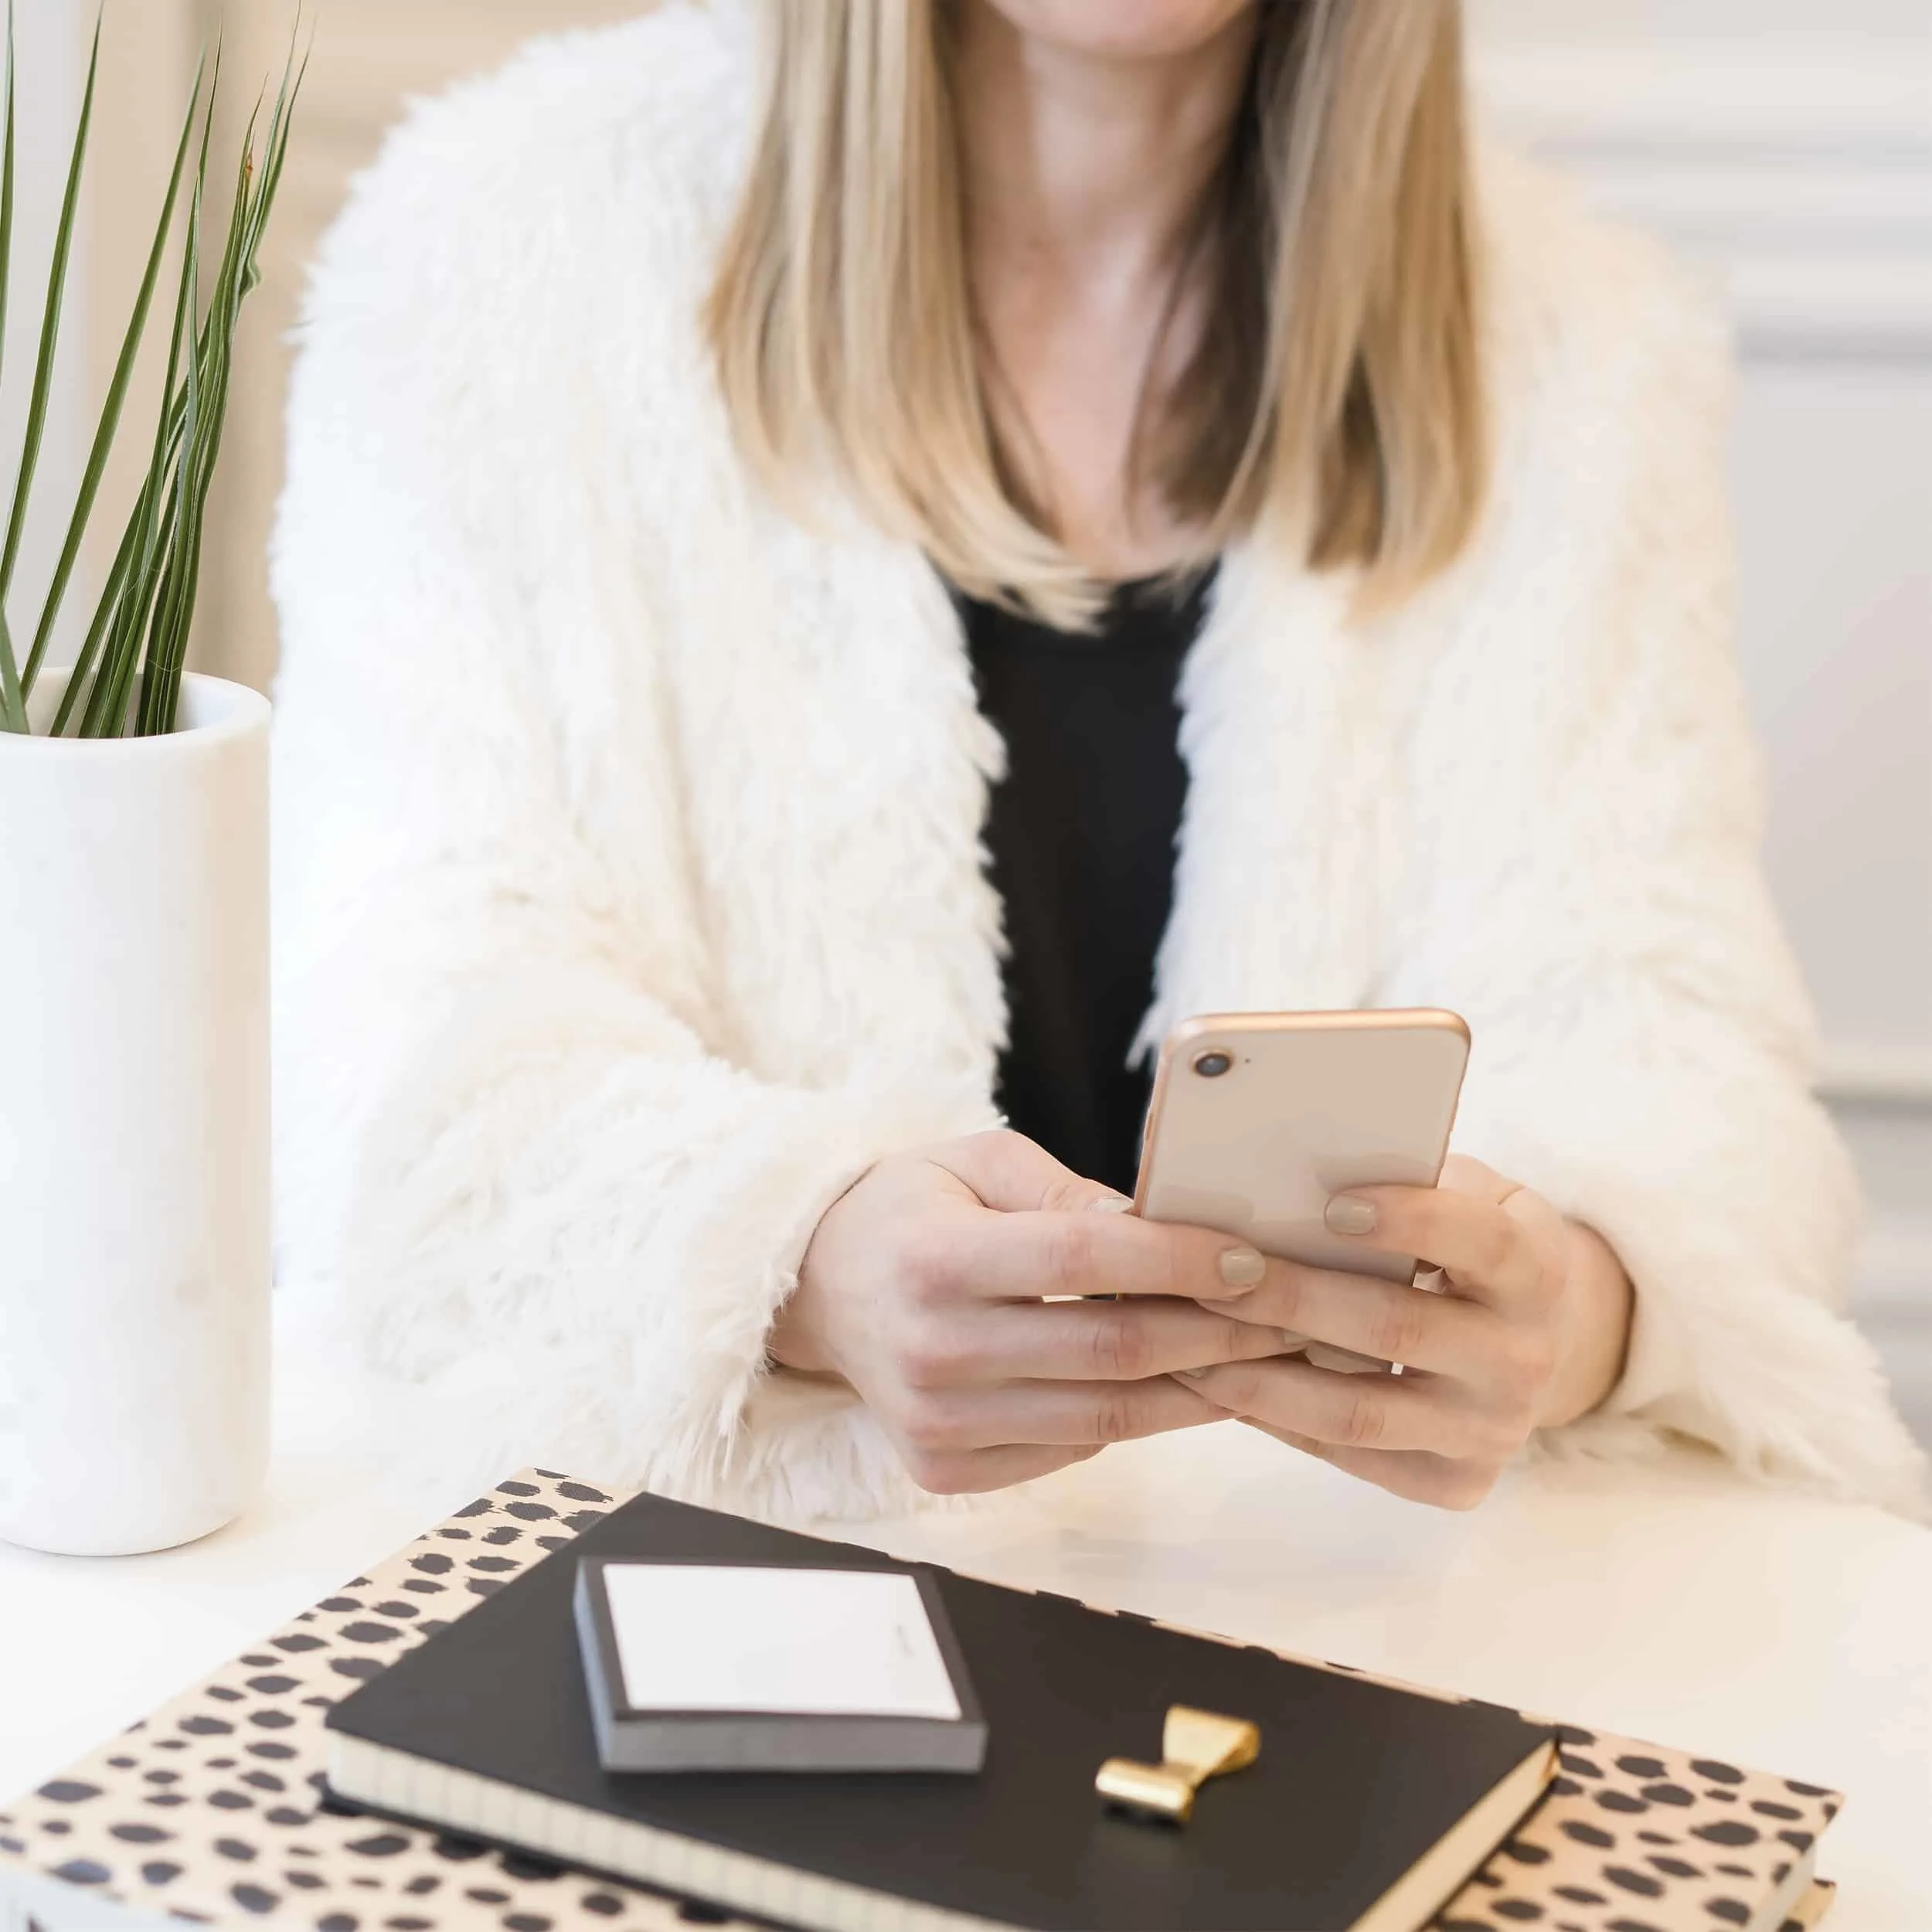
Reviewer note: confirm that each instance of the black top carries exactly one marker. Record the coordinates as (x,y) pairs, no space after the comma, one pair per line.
(1080,837)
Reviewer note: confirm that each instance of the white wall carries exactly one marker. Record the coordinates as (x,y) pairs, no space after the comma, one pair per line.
(1787,146)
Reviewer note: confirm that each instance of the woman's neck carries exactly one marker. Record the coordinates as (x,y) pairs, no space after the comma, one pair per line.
(1081,161)
(1084,170)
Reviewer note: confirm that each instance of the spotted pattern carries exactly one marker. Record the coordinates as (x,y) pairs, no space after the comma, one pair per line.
(1635,1838)
(211,1810)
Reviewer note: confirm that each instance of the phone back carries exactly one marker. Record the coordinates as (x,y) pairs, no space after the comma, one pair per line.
(1258,1118)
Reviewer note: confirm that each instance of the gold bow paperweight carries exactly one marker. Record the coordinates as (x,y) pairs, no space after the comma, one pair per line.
(1196,1745)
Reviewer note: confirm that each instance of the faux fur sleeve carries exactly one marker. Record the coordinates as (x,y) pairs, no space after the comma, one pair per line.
(509,1143)
(1643,1050)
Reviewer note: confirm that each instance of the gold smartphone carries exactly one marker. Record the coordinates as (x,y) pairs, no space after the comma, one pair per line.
(1257,1118)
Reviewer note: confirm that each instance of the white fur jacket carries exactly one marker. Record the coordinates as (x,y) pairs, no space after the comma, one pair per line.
(629,888)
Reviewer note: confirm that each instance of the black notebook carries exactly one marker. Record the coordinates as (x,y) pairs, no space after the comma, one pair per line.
(1369,1805)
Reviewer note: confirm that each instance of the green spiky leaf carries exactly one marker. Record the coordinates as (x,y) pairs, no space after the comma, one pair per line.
(116,398)
(128,673)
(49,327)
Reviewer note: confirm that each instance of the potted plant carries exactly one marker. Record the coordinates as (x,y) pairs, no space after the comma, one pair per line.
(133,937)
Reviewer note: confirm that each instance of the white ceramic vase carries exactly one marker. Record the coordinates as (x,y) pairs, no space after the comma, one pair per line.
(134,1127)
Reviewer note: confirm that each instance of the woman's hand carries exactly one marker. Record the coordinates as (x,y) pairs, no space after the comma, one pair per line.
(922,1287)
(1528,1331)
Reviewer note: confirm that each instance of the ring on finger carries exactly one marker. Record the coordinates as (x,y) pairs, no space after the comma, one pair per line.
(1345,1362)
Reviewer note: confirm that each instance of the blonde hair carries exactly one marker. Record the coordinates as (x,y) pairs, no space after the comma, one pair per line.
(1334,400)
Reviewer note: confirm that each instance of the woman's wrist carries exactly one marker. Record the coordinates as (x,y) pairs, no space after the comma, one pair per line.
(795,1341)
(1597,1304)
(798,1338)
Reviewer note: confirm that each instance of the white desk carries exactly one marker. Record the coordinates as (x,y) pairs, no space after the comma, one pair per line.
(1671,1603)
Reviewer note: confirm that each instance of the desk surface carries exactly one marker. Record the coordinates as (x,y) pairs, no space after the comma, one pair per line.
(1670,1602)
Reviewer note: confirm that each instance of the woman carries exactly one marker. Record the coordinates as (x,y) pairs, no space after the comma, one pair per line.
(701,490)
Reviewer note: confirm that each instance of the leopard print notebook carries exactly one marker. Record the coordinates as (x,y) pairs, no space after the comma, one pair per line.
(208,1811)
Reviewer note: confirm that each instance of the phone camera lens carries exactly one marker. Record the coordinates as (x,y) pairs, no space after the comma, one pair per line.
(1212,1064)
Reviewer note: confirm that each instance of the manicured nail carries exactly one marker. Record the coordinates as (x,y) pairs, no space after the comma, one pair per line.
(1241,1267)
(1111,1204)
(1349,1214)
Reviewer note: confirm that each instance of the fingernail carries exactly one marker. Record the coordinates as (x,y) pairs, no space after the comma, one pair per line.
(1111,1204)
(1192,1374)
(1241,1267)
(1349,1214)
(1292,1342)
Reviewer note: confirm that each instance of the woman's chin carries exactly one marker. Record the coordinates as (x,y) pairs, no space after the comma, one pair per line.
(1123,29)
